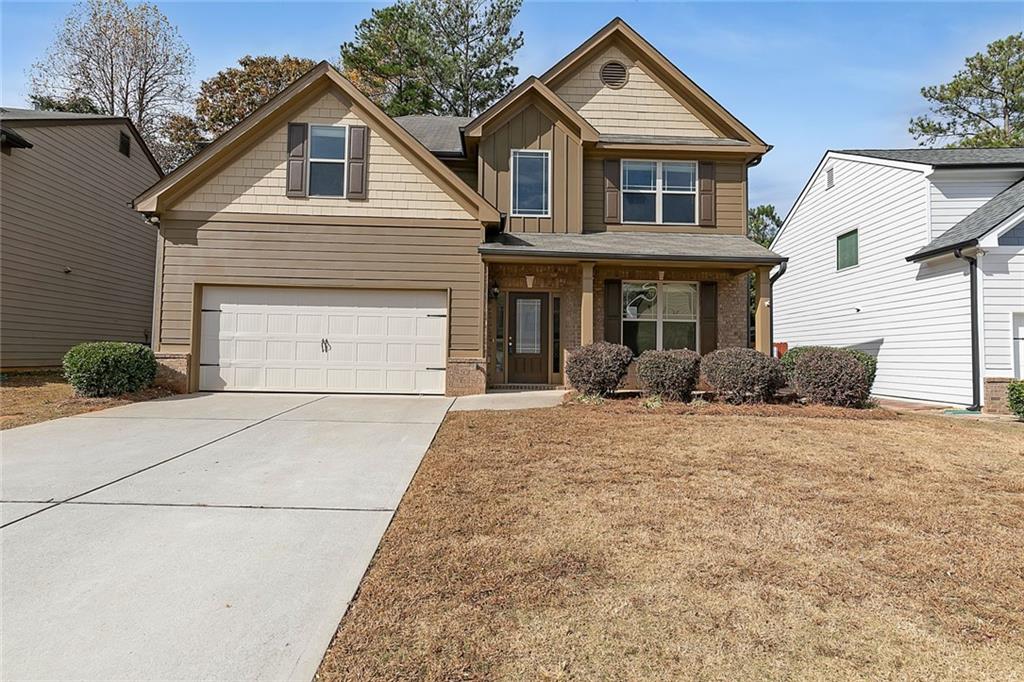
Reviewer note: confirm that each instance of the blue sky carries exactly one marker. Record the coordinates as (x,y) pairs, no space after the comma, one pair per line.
(805,76)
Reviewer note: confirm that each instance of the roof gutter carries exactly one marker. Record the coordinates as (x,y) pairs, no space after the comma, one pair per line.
(586,255)
(924,255)
(975,354)
(755,161)
(771,310)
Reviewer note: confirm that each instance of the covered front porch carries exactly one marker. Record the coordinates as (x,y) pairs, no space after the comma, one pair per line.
(550,294)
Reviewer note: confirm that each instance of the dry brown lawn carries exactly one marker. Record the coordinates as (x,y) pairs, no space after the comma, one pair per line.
(613,543)
(30,397)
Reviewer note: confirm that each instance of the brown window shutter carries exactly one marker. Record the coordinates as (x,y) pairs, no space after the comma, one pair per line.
(613,310)
(295,184)
(358,161)
(706,191)
(611,192)
(708,317)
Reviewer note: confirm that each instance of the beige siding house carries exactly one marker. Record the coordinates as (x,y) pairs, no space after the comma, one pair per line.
(322,246)
(76,262)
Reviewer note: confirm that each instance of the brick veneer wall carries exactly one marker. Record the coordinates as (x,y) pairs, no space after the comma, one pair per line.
(172,371)
(996,398)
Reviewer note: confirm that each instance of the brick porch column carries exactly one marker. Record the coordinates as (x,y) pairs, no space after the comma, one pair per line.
(587,305)
(762,315)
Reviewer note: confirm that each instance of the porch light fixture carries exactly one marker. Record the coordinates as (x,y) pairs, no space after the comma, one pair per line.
(493,290)
(529,281)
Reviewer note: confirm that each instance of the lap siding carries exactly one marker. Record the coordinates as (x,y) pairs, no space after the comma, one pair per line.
(370,257)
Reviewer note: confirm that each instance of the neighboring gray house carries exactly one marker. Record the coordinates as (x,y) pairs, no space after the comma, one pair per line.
(916,256)
(76,261)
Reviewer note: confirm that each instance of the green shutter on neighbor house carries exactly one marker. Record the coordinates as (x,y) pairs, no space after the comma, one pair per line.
(846,250)
(613,310)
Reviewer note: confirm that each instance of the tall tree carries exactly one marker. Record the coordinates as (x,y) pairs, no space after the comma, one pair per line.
(983,105)
(449,57)
(127,60)
(226,98)
(763,224)
(386,59)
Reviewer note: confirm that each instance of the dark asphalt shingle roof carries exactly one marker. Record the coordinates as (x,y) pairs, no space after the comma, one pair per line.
(15,114)
(979,223)
(947,158)
(632,246)
(439,134)
(613,138)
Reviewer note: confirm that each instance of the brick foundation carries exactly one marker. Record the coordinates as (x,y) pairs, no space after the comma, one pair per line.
(996,395)
(465,376)
(172,371)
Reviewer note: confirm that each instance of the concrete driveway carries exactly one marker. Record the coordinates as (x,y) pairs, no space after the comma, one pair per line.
(214,536)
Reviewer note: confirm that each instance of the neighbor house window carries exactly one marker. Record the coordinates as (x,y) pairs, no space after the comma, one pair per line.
(530,179)
(124,144)
(846,250)
(659,316)
(327,161)
(659,192)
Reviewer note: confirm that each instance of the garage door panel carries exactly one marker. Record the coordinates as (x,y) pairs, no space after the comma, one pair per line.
(272,339)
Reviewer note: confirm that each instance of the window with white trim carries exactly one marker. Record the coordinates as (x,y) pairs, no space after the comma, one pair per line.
(531,178)
(661,192)
(659,315)
(327,160)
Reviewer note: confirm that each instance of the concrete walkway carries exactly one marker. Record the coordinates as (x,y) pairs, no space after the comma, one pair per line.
(216,536)
(509,400)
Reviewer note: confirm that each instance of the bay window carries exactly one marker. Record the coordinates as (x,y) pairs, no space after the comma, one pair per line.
(659,316)
(663,192)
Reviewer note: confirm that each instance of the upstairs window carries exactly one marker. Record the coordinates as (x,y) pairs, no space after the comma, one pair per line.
(663,192)
(327,161)
(124,144)
(531,176)
(847,250)
(659,316)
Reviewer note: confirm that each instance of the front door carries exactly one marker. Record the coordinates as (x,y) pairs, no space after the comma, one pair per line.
(528,339)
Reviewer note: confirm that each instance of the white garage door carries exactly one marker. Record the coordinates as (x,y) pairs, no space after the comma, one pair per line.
(331,340)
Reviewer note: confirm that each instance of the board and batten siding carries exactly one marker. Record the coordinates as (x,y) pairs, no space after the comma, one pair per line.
(532,129)
(267,253)
(255,181)
(915,317)
(67,206)
(641,107)
(1002,286)
(955,194)
(730,201)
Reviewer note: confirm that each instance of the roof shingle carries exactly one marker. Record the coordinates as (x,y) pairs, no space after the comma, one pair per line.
(946,158)
(979,223)
(439,134)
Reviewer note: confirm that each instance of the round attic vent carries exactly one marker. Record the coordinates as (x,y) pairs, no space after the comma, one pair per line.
(614,74)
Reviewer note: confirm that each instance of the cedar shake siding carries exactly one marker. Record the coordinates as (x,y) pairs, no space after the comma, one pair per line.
(76,262)
(531,128)
(643,106)
(255,181)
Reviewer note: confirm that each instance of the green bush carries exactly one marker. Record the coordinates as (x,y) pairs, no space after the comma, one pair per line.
(868,361)
(599,368)
(1015,397)
(670,374)
(832,376)
(742,375)
(106,368)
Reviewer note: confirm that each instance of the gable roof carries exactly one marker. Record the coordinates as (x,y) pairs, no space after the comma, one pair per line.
(947,158)
(321,77)
(440,134)
(39,117)
(618,31)
(532,86)
(983,220)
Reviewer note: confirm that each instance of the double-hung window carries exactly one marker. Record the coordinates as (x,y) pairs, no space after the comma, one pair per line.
(659,315)
(327,160)
(659,192)
(531,177)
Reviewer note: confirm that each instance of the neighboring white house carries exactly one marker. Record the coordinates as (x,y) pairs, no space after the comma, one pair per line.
(881,247)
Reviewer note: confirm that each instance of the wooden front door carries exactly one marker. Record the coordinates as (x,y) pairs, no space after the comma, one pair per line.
(528,338)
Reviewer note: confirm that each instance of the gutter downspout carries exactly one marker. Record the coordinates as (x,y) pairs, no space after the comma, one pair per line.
(771,311)
(975,344)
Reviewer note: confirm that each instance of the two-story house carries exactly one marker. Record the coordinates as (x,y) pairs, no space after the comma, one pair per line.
(915,256)
(322,246)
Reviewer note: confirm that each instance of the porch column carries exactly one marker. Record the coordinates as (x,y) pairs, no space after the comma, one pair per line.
(587,305)
(762,314)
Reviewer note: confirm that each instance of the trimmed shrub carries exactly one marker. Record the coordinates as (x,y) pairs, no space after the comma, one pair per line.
(832,376)
(106,368)
(599,368)
(670,374)
(868,361)
(742,375)
(1015,398)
